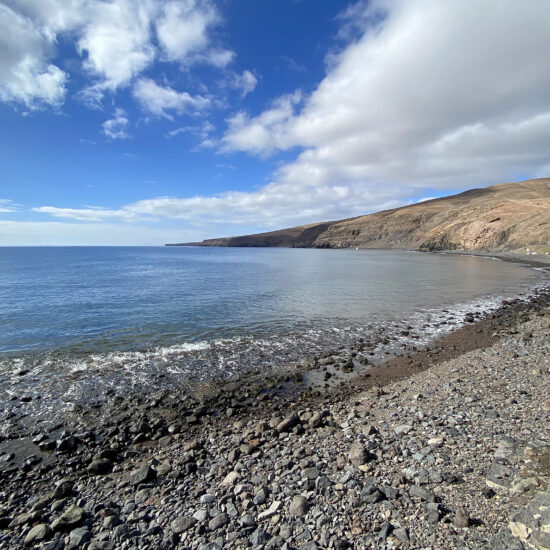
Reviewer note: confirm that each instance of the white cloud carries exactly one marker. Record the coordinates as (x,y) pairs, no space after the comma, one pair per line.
(432,94)
(117,127)
(158,100)
(265,133)
(115,40)
(202,131)
(7,205)
(182,29)
(245,82)
(26,76)
(89,214)
(183,33)
(270,207)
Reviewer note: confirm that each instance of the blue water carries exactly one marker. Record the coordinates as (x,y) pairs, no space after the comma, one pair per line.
(70,314)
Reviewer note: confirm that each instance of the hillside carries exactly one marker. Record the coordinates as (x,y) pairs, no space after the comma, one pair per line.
(508,216)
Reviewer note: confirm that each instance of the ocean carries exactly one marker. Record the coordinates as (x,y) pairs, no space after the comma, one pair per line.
(80,323)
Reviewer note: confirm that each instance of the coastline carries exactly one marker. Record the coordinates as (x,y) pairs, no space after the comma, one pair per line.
(172,433)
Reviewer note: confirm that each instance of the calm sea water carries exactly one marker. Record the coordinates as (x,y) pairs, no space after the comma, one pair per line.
(81,320)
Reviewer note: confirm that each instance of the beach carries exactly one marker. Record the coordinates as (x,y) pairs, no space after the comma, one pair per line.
(436,448)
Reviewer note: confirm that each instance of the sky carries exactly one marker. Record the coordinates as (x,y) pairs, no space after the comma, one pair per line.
(141,122)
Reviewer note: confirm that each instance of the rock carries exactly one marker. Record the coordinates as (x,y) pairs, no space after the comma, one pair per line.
(182,524)
(100,467)
(219,521)
(358,455)
(230,479)
(67,445)
(261,496)
(80,536)
(498,476)
(24,519)
(288,423)
(310,473)
(402,429)
(461,519)
(299,506)
(110,522)
(207,498)
(142,475)
(422,493)
(37,534)
(401,534)
(271,511)
(259,536)
(70,518)
(316,420)
(63,489)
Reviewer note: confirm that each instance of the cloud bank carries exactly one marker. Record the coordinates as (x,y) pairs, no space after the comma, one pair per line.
(116,40)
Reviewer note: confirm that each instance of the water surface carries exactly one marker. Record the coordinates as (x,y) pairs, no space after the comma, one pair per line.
(81,320)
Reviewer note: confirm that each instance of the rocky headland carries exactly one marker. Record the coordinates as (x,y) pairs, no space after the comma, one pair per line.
(505,217)
(448,447)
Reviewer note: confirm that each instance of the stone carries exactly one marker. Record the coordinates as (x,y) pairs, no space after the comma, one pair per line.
(358,455)
(401,534)
(182,524)
(230,479)
(80,536)
(23,519)
(288,423)
(207,498)
(142,475)
(299,506)
(261,496)
(271,511)
(310,473)
(422,493)
(70,518)
(110,522)
(37,534)
(461,519)
(316,420)
(498,476)
(259,536)
(63,489)
(100,467)
(219,521)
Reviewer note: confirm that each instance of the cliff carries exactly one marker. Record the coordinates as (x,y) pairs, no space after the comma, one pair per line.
(508,216)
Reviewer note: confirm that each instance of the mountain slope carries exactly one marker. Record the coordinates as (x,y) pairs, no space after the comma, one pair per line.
(508,216)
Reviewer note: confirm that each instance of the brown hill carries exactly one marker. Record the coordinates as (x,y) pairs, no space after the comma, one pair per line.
(509,216)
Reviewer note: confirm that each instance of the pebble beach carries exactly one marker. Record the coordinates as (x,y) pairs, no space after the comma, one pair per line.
(448,447)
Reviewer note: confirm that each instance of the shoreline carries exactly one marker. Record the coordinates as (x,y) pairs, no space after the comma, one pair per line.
(175,427)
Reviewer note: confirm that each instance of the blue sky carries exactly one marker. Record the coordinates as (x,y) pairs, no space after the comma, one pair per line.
(151,121)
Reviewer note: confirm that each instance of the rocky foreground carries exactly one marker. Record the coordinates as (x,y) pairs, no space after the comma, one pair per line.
(455,456)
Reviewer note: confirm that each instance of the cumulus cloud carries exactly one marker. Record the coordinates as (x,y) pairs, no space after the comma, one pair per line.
(183,32)
(264,133)
(26,75)
(117,127)
(116,41)
(158,100)
(245,82)
(437,94)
